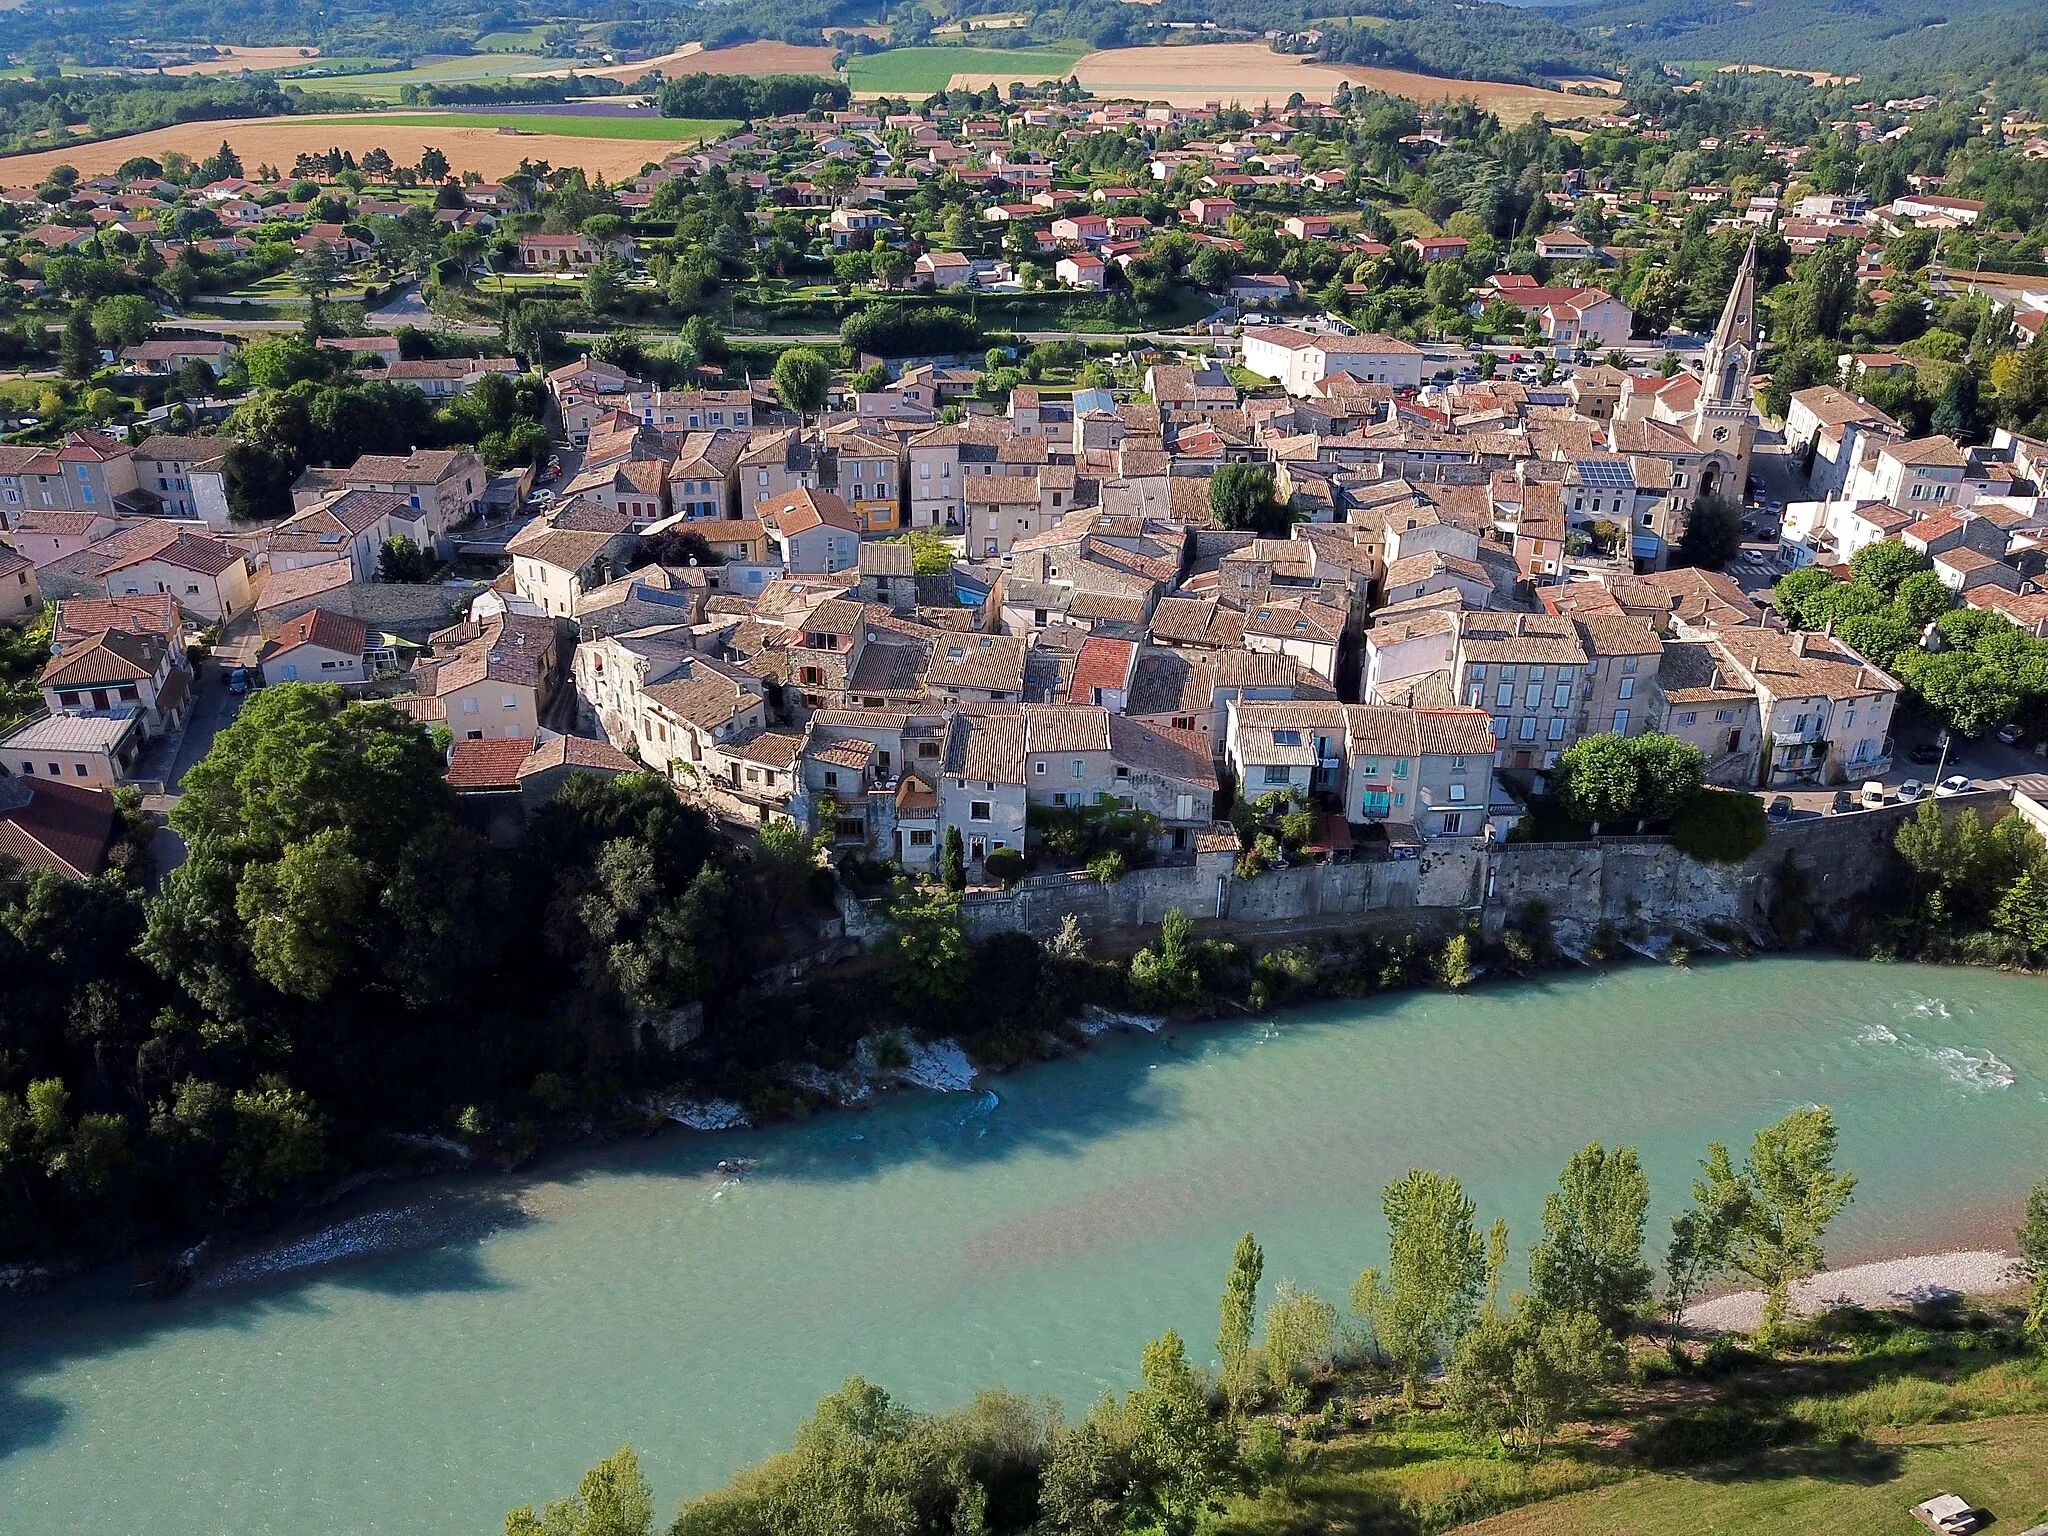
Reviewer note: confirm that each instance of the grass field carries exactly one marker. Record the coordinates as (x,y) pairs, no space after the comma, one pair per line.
(757,58)
(461,69)
(922,71)
(649,126)
(1997,1464)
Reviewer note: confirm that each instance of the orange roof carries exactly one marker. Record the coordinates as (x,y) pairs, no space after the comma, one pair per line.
(487,764)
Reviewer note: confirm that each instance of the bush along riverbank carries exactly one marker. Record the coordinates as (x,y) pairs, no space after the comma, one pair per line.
(1434,1398)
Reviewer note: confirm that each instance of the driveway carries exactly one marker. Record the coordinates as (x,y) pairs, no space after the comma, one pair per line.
(212,708)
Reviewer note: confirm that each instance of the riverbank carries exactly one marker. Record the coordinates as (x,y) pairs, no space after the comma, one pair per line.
(1907,1281)
(1035,1233)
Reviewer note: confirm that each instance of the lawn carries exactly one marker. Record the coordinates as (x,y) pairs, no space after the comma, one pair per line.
(443,71)
(563,125)
(924,71)
(1997,1464)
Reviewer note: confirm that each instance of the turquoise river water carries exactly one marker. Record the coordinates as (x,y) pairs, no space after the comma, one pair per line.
(421,1364)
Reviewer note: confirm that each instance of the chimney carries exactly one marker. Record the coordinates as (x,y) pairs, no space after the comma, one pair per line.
(1799,642)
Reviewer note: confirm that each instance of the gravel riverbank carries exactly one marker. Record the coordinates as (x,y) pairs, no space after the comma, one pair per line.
(1886,1283)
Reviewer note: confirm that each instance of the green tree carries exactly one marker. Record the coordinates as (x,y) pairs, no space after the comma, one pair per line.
(1885,565)
(1301,1332)
(1590,1257)
(1965,692)
(953,861)
(1523,1370)
(1765,1222)
(802,380)
(613,1499)
(79,352)
(123,320)
(1185,1457)
(400,559)
(1436,1268)
(786,857)
(1922,598)
(933,961)
(2032,1241)
(1241,496)
(1237,1308)
(602,289)
(318,271)
(1165,975)
(1796,591)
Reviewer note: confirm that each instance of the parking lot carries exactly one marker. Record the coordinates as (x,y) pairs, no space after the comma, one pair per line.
(1988,764)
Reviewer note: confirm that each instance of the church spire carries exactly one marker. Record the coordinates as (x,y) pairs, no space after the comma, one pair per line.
(1731,355)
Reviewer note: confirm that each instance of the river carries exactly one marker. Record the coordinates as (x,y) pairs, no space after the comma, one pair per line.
(479,1341)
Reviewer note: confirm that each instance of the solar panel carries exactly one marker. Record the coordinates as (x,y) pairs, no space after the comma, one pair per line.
(1548,397)
(1604,473)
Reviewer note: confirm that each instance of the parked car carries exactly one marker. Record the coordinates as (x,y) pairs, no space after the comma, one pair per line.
(2010,735)
(1843,803)
(1912,789)
(1774,507)
(1954,784)
(1781,809)
(1926,752)
(1873,794)
(238,680)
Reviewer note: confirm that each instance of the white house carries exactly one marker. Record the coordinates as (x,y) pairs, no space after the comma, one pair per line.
(1297,359)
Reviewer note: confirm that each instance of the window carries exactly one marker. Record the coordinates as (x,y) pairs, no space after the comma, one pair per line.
(474,735)
(831,778)
(1078,768)
(1621,722)
(978,810)
(1039,768)
(1627,689)
(1478,698)
(1849,720)
(1556,732)
(1478,674)
(1723,716)
(79,768)
(1508,673)
(510,701)
(1690,717)
(1059,797)
(1400,767)
(1628,664)
(70,700)
(1400,797)
(1527,729)
(1504,696)
(1457,791)
(1560,695)
(920,839)
(1277,773)
(1533,697)
(1500,727)
(1287,738)
(28,768)
(469,706)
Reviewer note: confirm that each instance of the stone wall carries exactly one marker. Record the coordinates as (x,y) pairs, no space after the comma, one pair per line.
(1643,886)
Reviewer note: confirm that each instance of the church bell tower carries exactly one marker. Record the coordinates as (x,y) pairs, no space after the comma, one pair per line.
(1723,424)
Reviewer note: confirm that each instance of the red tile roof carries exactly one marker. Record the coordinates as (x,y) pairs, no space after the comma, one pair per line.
(487,764)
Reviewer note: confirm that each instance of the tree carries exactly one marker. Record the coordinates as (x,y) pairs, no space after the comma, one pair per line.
(318,272)
(433,165)
(1966,693)
(1165,974)
(953,861)
(79,351)
(1590,1257)
(1612,778)
(933,960)
(1436,1267)
(1720,826)
(602,288)
(123,320)
(1241,496)
(2032,1242)
(802,380)
(1922,598)
(1713,534)
(1239,1303)
(1524,1370)
(1301,1331)
(613,1499)
(400,559)
(1184,1456)
(1886,564)
(1765,1222)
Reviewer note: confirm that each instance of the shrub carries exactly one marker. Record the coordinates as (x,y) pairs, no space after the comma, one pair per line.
(1720,826)
(1109,868)
(1005,864)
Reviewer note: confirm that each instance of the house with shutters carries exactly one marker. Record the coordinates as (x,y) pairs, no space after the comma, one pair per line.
(320,646)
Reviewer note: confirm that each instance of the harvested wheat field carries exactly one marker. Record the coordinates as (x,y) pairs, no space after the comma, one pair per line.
(280,140)
(694,59)
(1251,74)
(240,58)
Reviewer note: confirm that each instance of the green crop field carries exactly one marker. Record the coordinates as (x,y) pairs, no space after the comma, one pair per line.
(562,125)
(456,70)
(922,71)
